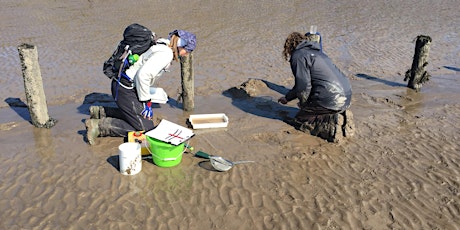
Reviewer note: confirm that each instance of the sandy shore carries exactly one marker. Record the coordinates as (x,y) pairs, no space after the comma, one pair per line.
(399,171)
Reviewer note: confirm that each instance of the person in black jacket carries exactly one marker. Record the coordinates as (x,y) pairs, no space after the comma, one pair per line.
(321,88)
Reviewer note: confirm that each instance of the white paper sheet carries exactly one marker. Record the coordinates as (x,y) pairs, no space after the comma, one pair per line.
(170,133)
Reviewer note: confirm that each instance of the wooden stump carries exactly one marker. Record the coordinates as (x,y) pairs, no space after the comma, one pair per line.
(314,38)
(187,78)
(417,75)
(33,85)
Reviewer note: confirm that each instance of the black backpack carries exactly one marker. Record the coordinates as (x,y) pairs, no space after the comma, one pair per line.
(137,39)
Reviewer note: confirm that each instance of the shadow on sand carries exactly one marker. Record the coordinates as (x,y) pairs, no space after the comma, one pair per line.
(386,82)
(18,106)
(259,105)
(104,99)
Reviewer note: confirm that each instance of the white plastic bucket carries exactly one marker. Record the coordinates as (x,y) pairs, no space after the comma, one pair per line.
(130,157)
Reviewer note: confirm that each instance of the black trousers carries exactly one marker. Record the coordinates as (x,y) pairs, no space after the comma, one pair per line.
(129,117)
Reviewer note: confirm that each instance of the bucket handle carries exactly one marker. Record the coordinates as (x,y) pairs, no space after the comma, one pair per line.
(165,159)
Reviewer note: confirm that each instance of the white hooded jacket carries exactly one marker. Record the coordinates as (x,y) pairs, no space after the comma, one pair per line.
(150,66)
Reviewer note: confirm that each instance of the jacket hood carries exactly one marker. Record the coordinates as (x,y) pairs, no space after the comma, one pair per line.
(309,44)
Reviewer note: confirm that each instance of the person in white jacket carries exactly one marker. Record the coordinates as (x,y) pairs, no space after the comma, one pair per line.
(150,66)
(132,92)
(132,96)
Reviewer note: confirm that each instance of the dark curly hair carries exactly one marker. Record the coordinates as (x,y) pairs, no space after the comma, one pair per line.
(292,41)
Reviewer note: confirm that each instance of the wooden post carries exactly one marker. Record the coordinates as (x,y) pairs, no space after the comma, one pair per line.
(33,85)
(417,74)
(314,38)
(312,35)
(187,78)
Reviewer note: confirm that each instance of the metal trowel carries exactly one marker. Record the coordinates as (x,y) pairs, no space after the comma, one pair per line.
(219,163)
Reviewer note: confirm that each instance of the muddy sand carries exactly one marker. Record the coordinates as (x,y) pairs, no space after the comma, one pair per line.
(399,171)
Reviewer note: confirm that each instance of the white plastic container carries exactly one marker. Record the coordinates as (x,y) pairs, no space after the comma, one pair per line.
(204,121)
(158,95)
(129,154)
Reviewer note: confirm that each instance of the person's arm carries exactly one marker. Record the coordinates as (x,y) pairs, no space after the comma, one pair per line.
(302,73)
(149,71)
(302,77)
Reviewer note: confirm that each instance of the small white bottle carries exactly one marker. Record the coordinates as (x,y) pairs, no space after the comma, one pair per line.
(313,29)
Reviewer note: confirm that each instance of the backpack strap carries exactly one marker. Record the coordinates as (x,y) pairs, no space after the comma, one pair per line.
(123,58)
(121,72)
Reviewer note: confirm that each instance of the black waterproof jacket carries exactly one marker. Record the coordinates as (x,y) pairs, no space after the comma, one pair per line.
(318,82)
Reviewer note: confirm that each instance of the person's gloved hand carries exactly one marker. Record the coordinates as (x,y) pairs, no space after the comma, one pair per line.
(147,113)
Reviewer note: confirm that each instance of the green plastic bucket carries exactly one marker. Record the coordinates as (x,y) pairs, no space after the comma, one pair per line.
(164,154)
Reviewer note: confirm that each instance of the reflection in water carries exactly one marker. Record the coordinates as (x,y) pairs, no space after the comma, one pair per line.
(44,144)
(172,179)
(412,101)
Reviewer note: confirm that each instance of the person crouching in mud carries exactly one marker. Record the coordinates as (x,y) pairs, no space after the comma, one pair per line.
(322,89)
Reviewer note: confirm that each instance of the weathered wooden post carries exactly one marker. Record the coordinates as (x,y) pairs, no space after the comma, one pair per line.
(187,79)
(33,85)
(417,75)
(313,35)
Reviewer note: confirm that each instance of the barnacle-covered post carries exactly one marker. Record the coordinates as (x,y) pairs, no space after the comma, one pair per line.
(33,85)
(417,75)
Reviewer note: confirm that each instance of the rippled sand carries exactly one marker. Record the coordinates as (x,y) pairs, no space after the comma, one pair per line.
(400,171)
